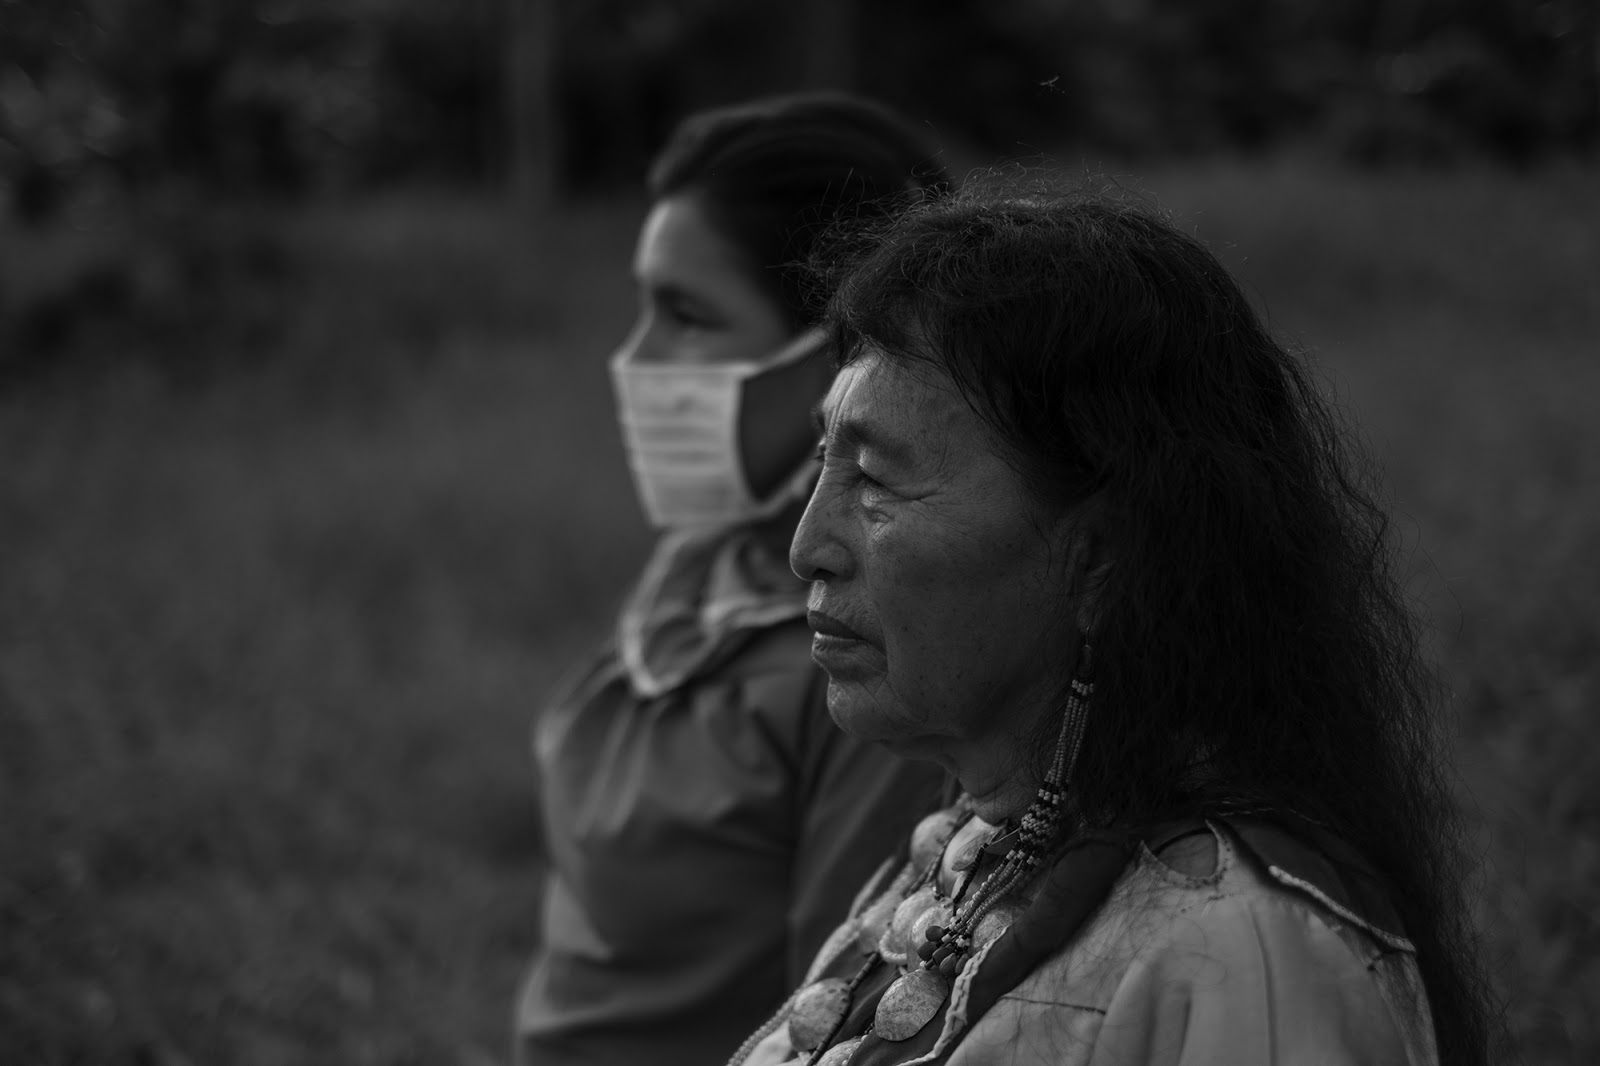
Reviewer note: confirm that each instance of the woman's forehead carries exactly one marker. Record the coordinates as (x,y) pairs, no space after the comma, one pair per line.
(875,395)
(678,247)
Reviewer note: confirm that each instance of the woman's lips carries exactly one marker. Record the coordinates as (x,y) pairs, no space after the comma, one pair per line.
(828,626)
(840,650)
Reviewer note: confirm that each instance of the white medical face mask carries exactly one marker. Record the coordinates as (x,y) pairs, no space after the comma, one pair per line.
(680,423)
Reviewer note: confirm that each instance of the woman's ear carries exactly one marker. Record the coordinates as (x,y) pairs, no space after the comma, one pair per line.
(1089,562)
(1088,594)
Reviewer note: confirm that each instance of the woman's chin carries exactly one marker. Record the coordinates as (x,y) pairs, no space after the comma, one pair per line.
(853,709)
(865,718)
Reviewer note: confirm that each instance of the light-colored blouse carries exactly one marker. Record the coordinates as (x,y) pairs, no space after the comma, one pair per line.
(1253,963)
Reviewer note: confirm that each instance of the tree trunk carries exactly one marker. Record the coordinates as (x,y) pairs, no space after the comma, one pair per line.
(533,67)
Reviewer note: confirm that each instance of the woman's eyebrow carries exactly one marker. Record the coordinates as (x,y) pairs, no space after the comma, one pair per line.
(858,434)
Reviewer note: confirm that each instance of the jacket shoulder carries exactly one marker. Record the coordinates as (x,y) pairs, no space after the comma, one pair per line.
(1315,863)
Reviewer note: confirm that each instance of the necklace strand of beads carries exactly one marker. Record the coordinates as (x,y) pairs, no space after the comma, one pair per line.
(946,948)
(820,1009)
(912,1001)
(918,994)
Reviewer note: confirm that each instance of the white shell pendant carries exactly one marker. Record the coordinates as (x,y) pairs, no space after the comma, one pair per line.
(909,1004)
(817,1009)
(873,923)
(917,935)
(896,943)
(966,857)
(992,924)
(840,1053)
(929,837)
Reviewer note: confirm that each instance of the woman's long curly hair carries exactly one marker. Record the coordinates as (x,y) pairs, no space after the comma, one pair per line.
(1254,652)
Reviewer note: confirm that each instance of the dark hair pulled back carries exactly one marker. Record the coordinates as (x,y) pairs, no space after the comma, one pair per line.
(1254,651)
(775,173)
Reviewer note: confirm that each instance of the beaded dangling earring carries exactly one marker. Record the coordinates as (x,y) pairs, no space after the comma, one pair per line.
(915,998)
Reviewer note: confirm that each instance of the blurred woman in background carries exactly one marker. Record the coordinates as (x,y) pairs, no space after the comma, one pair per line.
(706,822)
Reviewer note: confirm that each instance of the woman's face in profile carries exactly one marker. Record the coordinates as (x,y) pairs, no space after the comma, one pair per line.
(699,304)
(938,583)
(697,300)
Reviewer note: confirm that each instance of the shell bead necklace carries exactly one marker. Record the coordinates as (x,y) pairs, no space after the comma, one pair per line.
(820,1008)
(932,938)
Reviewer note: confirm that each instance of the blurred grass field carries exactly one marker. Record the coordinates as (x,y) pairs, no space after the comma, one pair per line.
(273,628)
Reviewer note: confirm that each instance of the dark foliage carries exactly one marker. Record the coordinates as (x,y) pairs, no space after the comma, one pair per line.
(291,96)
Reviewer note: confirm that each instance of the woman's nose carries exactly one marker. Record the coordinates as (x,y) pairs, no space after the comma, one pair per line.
(817,551)
(635,347)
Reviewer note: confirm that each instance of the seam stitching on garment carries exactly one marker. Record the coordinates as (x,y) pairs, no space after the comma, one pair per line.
(1008,997)
(1383,953)
(1167,873)
(1399,943)
(1205,900)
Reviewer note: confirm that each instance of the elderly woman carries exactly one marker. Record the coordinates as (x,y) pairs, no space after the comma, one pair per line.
(706,823)
(1087,538)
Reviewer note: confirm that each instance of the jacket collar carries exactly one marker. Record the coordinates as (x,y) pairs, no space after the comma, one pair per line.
(701,590)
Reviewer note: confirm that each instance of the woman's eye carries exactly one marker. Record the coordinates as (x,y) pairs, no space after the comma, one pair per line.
(852,471)
(688,315)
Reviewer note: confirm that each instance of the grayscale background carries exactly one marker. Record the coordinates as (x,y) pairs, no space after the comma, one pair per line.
(310,487)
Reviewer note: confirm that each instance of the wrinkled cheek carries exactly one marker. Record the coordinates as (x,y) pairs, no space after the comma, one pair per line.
(880,697)
(920,674)
(869,709)
(921,628)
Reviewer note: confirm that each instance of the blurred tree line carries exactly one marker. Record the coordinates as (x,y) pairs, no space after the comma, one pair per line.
(142,142)
(301,96)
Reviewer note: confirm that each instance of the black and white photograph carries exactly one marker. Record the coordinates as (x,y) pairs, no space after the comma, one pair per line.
(828,533)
